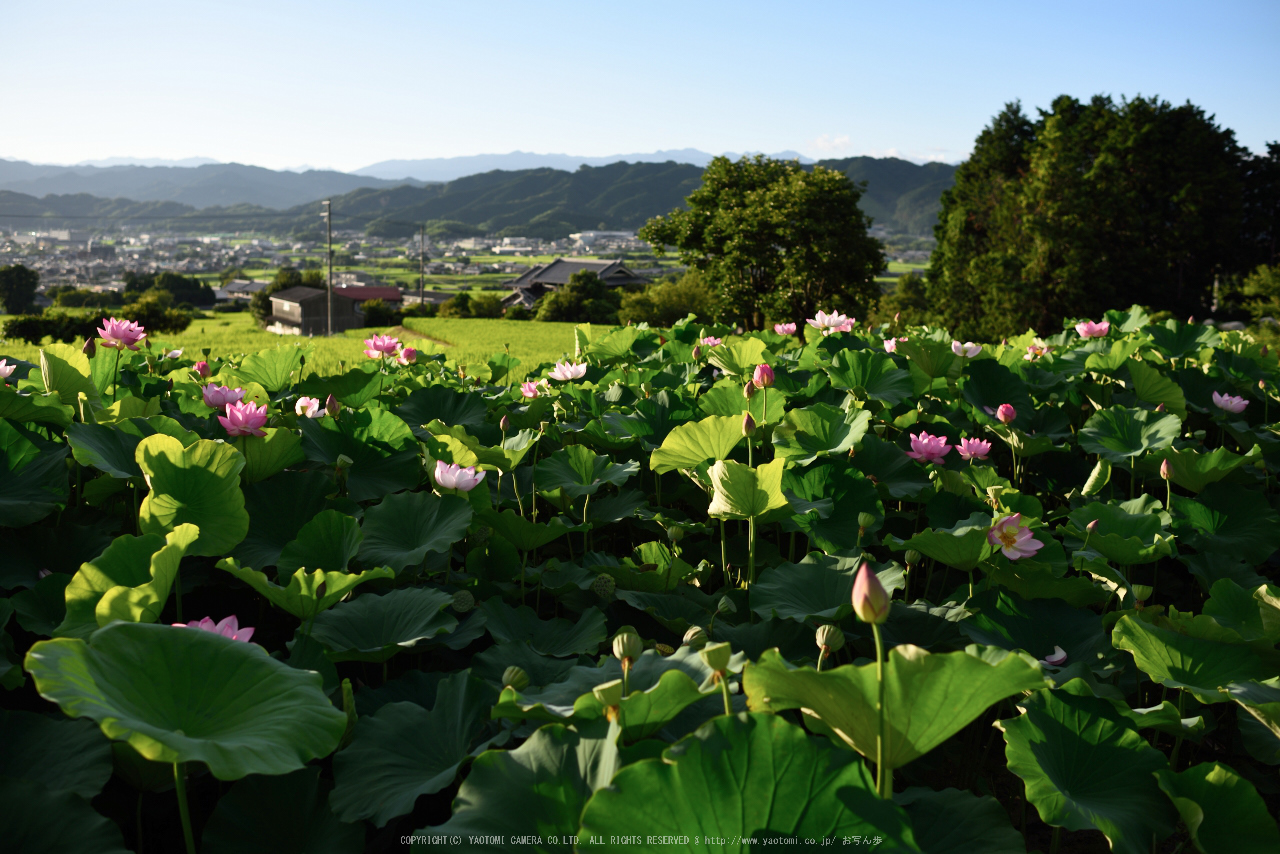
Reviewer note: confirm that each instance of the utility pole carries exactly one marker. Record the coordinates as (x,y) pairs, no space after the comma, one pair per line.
(422,262)
(328,218)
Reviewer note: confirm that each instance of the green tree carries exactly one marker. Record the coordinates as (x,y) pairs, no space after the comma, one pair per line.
(184,288)
(583,299)
(486,305)
(1093,205)
(18,285)
(1261,292)
(908,301)
(1262,207)
(670,299)
(456,306)
(775,239)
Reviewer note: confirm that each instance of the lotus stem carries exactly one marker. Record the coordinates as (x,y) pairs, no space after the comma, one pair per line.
(177,592)
(1177,742)
(180,786)
(724,563)
(116,385)
(1057,840)
(751,551)
(724,691)
(822,654)
(586,543)
(626,677)
(884,775)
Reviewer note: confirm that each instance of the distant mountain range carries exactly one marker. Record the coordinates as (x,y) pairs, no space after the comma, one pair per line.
(541,202)
(451,168)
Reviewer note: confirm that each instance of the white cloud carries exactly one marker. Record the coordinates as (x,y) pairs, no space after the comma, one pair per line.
(832,142)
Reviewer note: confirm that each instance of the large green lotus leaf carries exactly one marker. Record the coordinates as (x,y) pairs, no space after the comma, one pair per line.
(1196,664)
(1231,520)
(41,609)
(869,375)
(956,822)
(523,533)
(1156,388)
(36,820)
(270,454)
(815,590)
(403,751)
(646,712)
(742,492)
(987,384)
(33,476)
(537,790)
(929,696)
(1121,537)
(329,541)
(850,494)
(1036,626)
(199,484)
(785,784)
(1260,699)
(725,400)
(355,388)
(739,358)
(382,448)
(1222,811)
(690,445)
(1176,339)
(1252,614)
(491,664)
(1038,582)
(401,529)
(178,694)
(454,444)
(933,359)
(894,472)
(1085,767)
(144,602)
(819,431)
(440,403)
(556,637)
(37,408)
(963,545)
(288,814)
(1119,434)
(374,628)
(577,471)
(61,755)
(105,448)
(1195,471)
(273,369)
(65,369)
(278,508)
(126,409)
(616,343)
(307,593)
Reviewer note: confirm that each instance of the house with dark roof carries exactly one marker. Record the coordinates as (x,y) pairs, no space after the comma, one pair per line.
(527,289)
(361,293)
(304,311)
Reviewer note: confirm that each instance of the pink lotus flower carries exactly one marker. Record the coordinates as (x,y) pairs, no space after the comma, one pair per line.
(310,407)
(784,328)
(1166,469)
(847,326)
(201,368)
(1036,349)
(244,419)
(407,356)
(1059,656)
(6,369)
(712,341)
(173,354)
(763,376)
(119,334)
(1089,329)
(966,350)
(1006,413)
(870,599)
(219,396)
(1013,538)
(828,323)
(381,345)
(529,389)
(454,476)
(973,449)
(928,449)
(228,628)
(891,344)
(1229,402)
(565,371)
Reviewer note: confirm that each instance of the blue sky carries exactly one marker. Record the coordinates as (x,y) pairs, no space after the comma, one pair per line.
(280,83)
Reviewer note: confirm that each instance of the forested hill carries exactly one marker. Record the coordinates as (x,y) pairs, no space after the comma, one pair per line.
(547,203)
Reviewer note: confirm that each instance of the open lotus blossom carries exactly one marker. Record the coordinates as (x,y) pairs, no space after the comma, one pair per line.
(847,326)
(529,389)
(201,368)
(784,328)
(928,449)
(310,407)
(218,396)
(712,341)
(1013,538)
(173,354)
(407,356)
(228,627)
(565,371)
(6,369)
(1229,402)
(1089,329)
(119,334)
(381,345)
(1059,656)
(1036,349)
(828,323)
(1006,413)
(870,599)
(454,476)
(244,419)
(891,344)
(973,449)
(968,349)
(763,376)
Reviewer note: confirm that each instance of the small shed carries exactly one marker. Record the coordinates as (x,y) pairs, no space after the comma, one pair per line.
(303,311)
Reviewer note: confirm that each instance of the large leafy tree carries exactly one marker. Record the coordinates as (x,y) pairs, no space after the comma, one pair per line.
(775,239)
(1093,205)
(18,285)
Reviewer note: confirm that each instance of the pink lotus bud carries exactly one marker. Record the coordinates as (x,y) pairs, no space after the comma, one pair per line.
(331,406)
(896,315)
(90,347)
(1166,470)
(308,407)
(749,390)
(870,600)
(504,424)
(1092,526)
(407,356)
(748,425)
(202,369)
(1058,658)
(763,376)
(784,328)
(1006,413)
(697,352)
(1160,408)
(1265,351)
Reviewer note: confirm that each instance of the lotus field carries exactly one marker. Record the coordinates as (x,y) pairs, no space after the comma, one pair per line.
(684,590)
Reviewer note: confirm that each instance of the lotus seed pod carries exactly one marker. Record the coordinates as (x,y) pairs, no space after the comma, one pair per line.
(609,693)
(504,424)
(1142,592)
(830,638)
(726,606)
(749,390)
(695,638)
(463,601)
(515,677)
(627,645)
(675,534)
(663,649)
(647,388)
(866,520)
(603,586)
(343,462)
(716,656)
(913,557)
